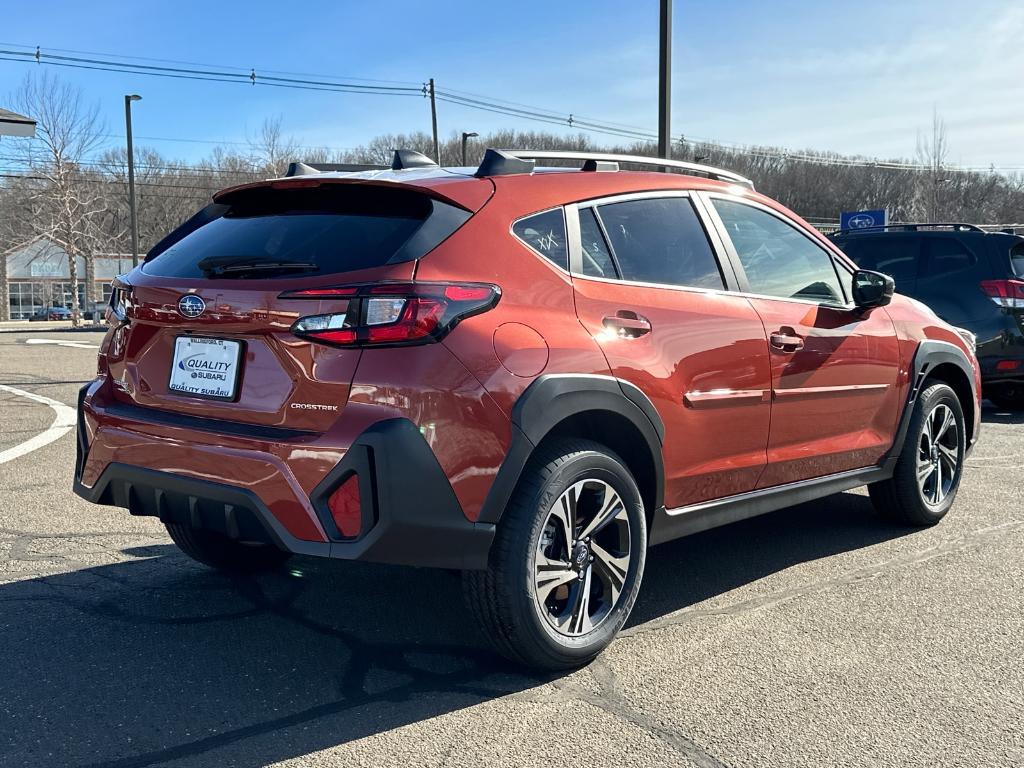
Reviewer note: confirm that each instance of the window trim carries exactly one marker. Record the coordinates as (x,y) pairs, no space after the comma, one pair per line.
(565,225)
(730,283)
(837,262)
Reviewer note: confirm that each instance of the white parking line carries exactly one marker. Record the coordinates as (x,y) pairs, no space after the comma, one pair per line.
(76,344)
(63,423)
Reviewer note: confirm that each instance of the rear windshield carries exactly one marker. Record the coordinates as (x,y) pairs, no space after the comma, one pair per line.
(323,230)
(1017,259)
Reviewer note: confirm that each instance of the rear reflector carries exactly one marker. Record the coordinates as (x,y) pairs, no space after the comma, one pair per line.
(1006,293)
(346,509)
(1008,365)
(392,314)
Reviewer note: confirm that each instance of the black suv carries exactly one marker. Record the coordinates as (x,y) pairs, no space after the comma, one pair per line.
(969,277)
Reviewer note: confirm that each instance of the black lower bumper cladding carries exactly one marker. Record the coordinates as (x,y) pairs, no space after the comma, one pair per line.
(411,514)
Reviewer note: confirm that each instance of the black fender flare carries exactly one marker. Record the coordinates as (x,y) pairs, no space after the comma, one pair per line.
(552,398)
(930,354)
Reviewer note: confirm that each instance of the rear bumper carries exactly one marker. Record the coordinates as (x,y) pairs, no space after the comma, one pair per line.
(410,513)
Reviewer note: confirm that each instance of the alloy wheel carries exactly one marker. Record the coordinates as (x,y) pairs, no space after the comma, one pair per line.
(582,558)
(938,455)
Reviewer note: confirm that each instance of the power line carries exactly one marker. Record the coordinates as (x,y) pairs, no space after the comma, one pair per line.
(214,75)
(31,49)
(209,73)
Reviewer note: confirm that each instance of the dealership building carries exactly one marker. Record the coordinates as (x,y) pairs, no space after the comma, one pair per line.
(35,276)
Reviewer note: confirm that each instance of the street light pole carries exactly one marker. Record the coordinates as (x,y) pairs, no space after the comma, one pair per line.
(466,135)
(128,99)
(665,81)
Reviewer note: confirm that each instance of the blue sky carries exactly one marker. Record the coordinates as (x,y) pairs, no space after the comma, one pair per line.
(855,77)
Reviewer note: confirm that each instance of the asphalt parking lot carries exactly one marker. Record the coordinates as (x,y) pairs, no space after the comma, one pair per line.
(813,636)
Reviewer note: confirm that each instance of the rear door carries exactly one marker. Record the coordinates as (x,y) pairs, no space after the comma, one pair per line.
(651,290)
(951,278)
(834,368)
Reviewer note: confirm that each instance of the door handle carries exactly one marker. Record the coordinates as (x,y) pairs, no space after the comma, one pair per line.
(787,342)
(627,324)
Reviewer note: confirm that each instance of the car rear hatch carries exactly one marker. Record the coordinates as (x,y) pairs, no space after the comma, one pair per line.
(204,329)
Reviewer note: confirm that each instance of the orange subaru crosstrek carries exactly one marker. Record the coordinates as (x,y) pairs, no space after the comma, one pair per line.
(527,374)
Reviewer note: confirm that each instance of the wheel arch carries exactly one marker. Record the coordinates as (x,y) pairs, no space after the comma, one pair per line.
(938,361)
(959,382)
(607,410)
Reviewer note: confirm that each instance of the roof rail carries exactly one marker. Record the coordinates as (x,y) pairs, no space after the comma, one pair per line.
(958,226)
(305,169)
(602,161)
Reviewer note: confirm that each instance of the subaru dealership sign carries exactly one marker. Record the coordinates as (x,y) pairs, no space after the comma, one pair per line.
(863,219)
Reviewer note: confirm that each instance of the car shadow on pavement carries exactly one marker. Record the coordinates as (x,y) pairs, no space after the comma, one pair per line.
(990,414)
(155,659)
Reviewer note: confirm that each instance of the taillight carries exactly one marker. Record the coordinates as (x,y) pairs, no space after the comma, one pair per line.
(1006,293)
(392,314)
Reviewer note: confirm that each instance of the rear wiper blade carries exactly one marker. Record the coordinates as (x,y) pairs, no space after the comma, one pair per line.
(236,267)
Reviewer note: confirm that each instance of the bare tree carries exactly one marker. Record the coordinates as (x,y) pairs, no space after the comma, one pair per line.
(932,152)
(64,201)
(271,149)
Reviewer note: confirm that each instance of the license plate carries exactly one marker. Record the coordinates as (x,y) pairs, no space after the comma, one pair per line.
(206,367)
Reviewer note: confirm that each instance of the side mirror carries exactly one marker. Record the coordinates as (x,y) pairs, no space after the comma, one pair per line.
(872,289)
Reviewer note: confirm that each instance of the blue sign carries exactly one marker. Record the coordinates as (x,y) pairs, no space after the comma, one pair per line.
(863,219)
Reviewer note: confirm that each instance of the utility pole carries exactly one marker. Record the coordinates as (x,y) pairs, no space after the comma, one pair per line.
(665,81)
(433,123)
(131,175)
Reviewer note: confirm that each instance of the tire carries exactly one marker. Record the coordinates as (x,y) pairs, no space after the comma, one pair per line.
(224,554)
(544,602)
(905,498)
(1009,397)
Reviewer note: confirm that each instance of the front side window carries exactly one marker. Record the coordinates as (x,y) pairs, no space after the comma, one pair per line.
(778,259)
(545,233)
(661,240)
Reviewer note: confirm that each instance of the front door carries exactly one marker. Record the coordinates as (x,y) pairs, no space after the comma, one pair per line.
(650,289)
(834,368)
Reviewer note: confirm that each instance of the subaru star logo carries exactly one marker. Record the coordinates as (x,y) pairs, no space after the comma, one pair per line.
(191,305)
(863,221)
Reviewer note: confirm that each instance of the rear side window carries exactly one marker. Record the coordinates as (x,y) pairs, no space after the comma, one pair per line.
(661,240)
(545,233)
(893,256)
(778,259)
(947,255)
(325,230)
(597,260)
